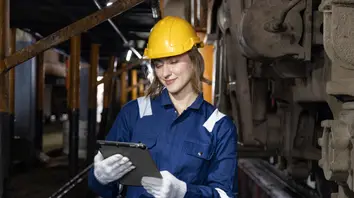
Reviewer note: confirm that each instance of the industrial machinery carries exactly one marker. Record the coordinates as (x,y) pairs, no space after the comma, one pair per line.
(285,72)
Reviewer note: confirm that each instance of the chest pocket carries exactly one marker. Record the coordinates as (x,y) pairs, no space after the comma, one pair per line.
(196,160)
(148,138)
(197,150)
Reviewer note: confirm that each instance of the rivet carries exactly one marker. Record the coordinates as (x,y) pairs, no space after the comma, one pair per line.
(200,153)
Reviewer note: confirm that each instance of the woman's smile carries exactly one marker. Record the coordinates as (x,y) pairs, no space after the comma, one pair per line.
(170,81)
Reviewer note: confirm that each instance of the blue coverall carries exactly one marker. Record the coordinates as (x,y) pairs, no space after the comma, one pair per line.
(197,147)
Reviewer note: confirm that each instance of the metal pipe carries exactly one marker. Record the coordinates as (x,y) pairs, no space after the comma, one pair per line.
(120,33)
(12,95)
(67,32)
(40,95)
(134,82)
(12,74)
(74,68)
(277,25)
(4,114)
(156,9)
(72,183)
(108,83)
(106,99)
(92,97)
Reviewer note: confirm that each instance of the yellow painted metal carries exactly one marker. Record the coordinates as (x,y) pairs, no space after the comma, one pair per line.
(74,72)
(208,55)
(134,83)
(141,88)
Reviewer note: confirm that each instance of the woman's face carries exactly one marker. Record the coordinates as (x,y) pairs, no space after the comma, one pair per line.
(175,72)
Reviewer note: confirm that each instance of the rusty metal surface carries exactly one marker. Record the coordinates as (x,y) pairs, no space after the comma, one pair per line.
(95,50)
(67,32)
(74,72)
(12,74)
(4,50)
(5,136)
(107,95)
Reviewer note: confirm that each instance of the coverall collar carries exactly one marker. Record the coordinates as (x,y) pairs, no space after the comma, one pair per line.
(166,100)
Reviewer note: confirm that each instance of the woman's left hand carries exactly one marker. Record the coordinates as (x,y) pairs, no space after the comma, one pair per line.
(167,187)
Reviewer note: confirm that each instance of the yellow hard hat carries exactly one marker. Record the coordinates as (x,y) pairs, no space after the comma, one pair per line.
(171,36)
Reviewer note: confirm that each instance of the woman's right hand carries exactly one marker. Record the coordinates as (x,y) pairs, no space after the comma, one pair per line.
(111,168)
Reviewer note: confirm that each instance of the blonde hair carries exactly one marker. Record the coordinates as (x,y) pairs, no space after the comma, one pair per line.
(155,88)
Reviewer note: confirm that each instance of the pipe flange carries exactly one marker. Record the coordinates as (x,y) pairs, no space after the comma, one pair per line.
(260,43)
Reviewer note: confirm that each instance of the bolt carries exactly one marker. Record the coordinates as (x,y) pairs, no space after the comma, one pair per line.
(321,162)
(320,142)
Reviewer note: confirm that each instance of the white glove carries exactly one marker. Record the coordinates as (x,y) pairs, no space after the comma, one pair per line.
(111,168)
(167,187)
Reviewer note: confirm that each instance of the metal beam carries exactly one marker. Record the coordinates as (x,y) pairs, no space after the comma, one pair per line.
(134,84)
(4,114)
(12,98)
(92,97)
(40,76)
(64,34)
(74,106)
(100,32)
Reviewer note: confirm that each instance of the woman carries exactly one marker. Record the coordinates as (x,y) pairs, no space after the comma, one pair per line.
(191,142)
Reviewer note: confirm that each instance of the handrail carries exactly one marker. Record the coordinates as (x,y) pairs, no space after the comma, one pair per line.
(72,183)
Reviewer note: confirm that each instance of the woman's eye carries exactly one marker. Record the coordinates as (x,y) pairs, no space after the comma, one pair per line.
(158,66)
(174,61)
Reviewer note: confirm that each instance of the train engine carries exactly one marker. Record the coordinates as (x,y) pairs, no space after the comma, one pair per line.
(285,73)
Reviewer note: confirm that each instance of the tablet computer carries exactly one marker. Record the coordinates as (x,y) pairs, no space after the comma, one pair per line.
(138,154)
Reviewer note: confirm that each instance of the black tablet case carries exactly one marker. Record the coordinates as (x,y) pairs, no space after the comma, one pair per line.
(138,155)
